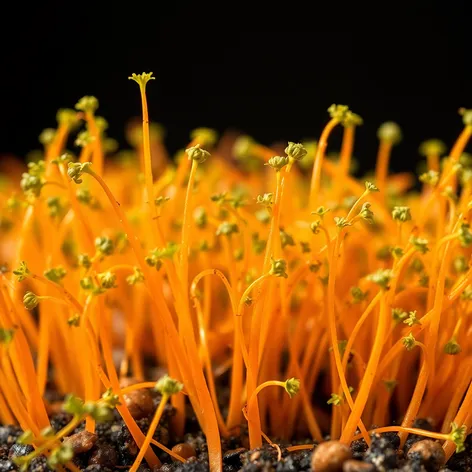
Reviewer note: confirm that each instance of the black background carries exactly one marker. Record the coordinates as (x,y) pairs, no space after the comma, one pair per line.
(270,71)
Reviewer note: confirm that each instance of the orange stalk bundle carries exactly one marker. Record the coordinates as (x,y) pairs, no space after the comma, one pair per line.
(232,269)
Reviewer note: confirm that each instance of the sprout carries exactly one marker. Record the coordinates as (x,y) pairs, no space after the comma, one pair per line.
(358,295)
(88,104)
(341,222)
(295,151)
(205,136)
(6,335)
(168,386)
(30,300)
(366,213)
(278,268)
(197,154)
(136,277)
(104,246)
(76,169)
(370,187)
(452,347)
(55,274)
(390,132)
(381,277)
(401,213)
(398,315)
(409,342)
(431,177)
(432,147)
(227,229)
(338,112)
(466,116)
(465,235)
(107,280)
(22,272)
(420,244)
(458,435)
(412,319)
(292,386)
(286,239)
(265,199)
(277,162)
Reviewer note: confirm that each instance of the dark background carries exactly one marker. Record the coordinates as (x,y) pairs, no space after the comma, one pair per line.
(269,71)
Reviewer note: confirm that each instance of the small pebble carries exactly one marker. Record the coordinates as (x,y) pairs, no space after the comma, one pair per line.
(431,453)
(139,402)
(81,442)
(255,456)
(104,455)
(19,450)
(184,450)
(357,466)
(164,468)
(330,456)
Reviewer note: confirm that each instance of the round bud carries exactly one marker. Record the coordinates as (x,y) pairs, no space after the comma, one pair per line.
(432,147)
(295,151)
(466,116)
(389,132)
(196,153)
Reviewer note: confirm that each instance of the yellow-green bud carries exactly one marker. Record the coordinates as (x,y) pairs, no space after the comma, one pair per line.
(277,162)
(409,342)
(466,116)
(196,153)
(205,136)
(168,386)
(401,213)
(107,280)
(432,147)
(76,169)
(295,151)
(278,268)
(30,300)
(88,104)
(390,132)
(142,79)
(292,386)
(338,112)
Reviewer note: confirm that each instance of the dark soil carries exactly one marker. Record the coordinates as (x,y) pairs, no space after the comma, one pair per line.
(114,450)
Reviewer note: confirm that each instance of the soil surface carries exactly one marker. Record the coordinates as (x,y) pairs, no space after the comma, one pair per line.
(112,449)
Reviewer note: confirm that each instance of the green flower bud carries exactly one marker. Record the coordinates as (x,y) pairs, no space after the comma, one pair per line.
(390,132)
(432,147)
(87,283)
(47,136)
(341,222)
(22,272)
(458,435)
(401,213)
(55,274)
(60,455)
(227,229)
(31,184)
(84,138)
(431,177)
(168,386)
(466,116)
(142,79)
(465,235)
(195,153)
(104,245)
(452,347)
(412,319)
(205,136)
(409,342)
(277,162)
(381,277)
(159,201)
(398,315)
(76,169)
(420,244)
(338,112)
(305,247)
(258,245)
(110,399)
(352,119)
(292,386)
(286,239)
(242,147)
(136,277)
(84,261)
(460,265)
(265,199)
(68,117)
(88,104)
(6,335)
(366,213)
(107,280)
(358,295)
(295,151)
(73,405)
(201,218)
(278,268)
(370,187)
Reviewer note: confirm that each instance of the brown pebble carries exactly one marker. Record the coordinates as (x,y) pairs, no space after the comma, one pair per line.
(139,402)
(432,454)
(184,450)
(357,466)
(330,456)
(81,442)
(104,455)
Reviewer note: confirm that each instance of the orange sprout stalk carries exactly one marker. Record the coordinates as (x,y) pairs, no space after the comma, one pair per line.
(107,271)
